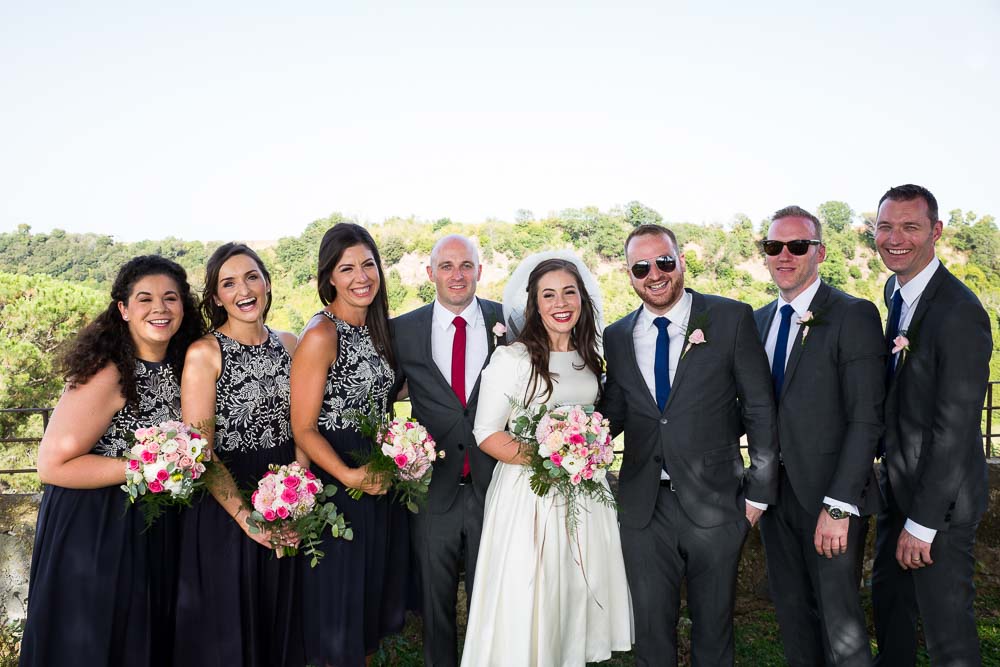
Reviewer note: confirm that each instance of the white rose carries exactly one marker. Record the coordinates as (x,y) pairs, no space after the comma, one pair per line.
(151,469)
(169,447)
(544,451)
(572,464)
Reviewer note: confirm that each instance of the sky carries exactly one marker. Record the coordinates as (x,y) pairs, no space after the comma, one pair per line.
(248,120)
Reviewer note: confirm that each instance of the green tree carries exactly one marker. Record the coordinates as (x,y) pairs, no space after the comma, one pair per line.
(396,290)
(426,292)
(836,216)
(637,213)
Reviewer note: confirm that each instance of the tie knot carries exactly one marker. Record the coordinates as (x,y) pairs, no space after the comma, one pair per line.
(661,323)
(786,311)
(459,322)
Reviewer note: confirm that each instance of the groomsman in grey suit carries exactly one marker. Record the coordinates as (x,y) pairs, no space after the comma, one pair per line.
(441,349)
(828,368)
(934,474)
(686,374)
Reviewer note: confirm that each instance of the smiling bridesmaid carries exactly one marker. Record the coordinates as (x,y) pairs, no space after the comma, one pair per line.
(102,586)
(237,603)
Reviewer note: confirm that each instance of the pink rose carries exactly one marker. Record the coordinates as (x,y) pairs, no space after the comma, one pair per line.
(310,475)
(291,482)
(155,486)
(900,343)
(575,479)
(588,473)
(269,515)
(133,464)
(172,457)
(153,447)
(289,496)
(162,475)
(283,512)
(400,460)
(409,425)
(253,498)
(148,456)
(312,488)
(499,329)
(577,439)
(186,462)
(556,459)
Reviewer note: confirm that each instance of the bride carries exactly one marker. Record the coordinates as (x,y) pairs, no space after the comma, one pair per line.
(542,597)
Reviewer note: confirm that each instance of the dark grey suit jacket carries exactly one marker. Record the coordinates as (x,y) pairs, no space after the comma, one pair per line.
(830,407)
(721,388)
(933,408)
(435,405)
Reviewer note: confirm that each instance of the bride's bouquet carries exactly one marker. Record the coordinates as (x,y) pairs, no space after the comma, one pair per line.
(291,499)
(570,451)
(402,455)
(165,467)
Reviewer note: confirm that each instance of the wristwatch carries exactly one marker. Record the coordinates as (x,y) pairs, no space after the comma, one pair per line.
(836,512)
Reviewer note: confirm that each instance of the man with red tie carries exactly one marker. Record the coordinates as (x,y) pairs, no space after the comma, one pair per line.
(441,349)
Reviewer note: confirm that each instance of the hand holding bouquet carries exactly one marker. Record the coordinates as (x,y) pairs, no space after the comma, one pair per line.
(570,450)
(164,467)
(402,455)
(290,499)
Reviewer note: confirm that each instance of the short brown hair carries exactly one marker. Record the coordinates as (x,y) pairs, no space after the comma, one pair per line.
(651,229)
(909,192)
(799,212)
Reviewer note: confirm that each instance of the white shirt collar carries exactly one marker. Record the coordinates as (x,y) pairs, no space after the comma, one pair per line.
(800,304)
(914,288)
(443,317)
(678,315)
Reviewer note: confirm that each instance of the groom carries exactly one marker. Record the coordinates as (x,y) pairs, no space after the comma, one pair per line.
(441,349)
(686,373)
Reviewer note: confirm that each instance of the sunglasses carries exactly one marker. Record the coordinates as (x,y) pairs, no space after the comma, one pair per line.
(797,247)
(664,263)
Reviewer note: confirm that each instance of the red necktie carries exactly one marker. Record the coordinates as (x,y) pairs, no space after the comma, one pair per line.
(458,373)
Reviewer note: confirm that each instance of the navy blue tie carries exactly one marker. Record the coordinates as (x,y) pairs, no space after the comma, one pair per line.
(891,331)
(661,363)
(781,349)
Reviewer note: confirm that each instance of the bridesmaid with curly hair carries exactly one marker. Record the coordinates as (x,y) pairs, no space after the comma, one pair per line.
(102,587)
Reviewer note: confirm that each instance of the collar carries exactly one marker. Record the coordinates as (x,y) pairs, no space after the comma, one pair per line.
(678,315)
(443,317)
(800,304)
(913,289)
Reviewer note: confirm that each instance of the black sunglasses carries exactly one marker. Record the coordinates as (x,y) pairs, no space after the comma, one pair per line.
(664,263)
(797,247)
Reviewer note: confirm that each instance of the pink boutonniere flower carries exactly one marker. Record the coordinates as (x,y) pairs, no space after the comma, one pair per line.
(499,331)
(807,320)
(696,337)
(900,344)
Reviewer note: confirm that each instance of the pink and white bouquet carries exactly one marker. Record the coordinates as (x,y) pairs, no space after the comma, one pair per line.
(402,455)
(290,499)
(165,466)
(570,451)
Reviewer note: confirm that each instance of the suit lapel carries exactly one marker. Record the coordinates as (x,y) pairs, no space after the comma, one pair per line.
(633,363)
(815,306)
(425,329)
(697,309)
(912,329)
(768,315)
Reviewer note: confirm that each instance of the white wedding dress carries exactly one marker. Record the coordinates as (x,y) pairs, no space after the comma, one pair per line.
(542,598)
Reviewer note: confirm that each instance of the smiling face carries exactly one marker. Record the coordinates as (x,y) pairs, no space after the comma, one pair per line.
(558,303)
(905,236)
(659,290)
(455,271)
(355,277)
(794,273)
(154,313)
(242,289)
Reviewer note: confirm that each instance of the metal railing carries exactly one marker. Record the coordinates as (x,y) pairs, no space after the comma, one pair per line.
(991,426)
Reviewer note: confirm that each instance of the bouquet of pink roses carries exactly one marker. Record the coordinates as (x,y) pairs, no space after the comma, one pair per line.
(164,467)
(290,498)
(570,450)
(402,455)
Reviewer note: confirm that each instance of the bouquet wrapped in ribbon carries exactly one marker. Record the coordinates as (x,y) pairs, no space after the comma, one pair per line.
(402,455)
(164,467)
(570,451)
(290,499)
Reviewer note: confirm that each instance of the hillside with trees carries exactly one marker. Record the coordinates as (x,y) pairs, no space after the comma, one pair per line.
(51,284)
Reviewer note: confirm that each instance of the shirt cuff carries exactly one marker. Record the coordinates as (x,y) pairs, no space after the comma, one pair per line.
(761,506)
(844,507)
(922,533)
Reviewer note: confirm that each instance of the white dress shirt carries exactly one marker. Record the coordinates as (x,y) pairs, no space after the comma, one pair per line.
(911,295)
(476,345)
(800,305)
(644,339)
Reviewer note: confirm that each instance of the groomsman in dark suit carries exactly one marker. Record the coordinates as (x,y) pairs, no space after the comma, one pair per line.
(828,366)
(933,475)
(686,373)
(441,349)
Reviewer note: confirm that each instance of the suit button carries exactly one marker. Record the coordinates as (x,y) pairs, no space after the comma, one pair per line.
(461,446)
(657,458)
(664,421)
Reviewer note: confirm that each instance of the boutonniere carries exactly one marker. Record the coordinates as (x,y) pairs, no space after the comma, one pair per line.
(499,331)
(903,344)
(695,332)
(807,320)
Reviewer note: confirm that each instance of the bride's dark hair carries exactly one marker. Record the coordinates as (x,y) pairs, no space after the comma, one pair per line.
(535,336)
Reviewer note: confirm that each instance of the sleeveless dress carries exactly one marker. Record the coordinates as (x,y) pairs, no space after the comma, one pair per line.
(238,604)
(102,586)
(357,594)
(541,597)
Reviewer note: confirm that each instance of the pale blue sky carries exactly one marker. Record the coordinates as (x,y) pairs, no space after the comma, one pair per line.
(248,120)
